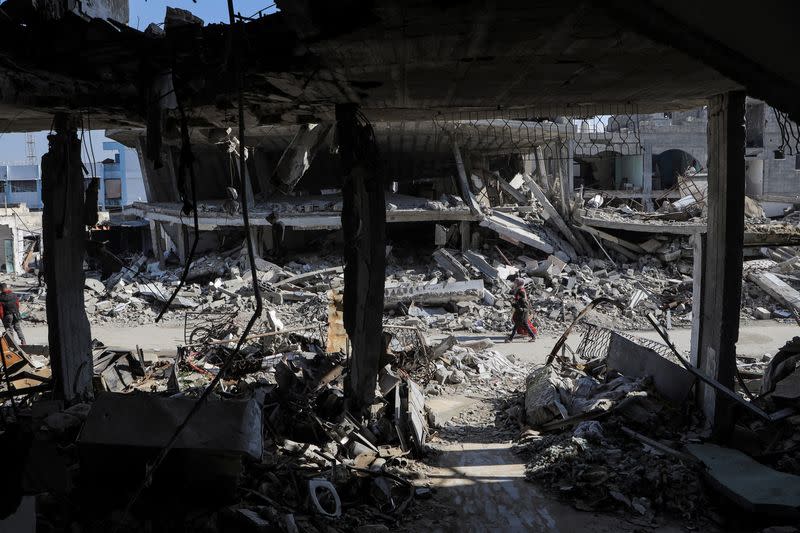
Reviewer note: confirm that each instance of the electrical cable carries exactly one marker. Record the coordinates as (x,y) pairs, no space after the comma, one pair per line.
(256,290)
(186,159)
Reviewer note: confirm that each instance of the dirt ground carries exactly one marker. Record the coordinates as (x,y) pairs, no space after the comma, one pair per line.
(755,338)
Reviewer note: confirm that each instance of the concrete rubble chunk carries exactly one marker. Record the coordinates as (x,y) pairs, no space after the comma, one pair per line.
(635,361)
(139,420)
(515,231)
(750,484)
(762,313)
(95,285)
(438,294)
(543,392)
(450,264)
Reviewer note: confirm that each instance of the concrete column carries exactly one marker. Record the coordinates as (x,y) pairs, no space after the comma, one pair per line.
(570,174)
(157,242)
(102,193)
(159,183)
(258,243)
(721,284)
(560,186)
(466,235)
(183,243)
(647,177)
(463,182)
(363,226)
(64,235)
(699,246)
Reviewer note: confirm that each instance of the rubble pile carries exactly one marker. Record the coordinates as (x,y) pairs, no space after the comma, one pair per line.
(472,367)
(595,463)
(618,431)
(598,467)
(449,291)
(309,463)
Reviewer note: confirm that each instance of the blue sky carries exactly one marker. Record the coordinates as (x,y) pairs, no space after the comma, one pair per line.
(142,13)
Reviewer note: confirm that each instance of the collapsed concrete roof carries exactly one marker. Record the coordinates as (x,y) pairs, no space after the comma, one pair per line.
(400,61)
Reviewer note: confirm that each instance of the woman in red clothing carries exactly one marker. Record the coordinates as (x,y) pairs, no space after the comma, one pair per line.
(521,316)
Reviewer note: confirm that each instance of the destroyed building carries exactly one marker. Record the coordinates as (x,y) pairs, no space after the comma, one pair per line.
(326,393)
(672,143)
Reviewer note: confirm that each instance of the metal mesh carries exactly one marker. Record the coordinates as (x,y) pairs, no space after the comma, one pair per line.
(544,132)
(596,339)
(199,327)
(790,133)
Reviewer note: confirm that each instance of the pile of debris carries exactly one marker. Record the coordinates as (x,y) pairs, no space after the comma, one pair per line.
(615,429)
(307,462)
(472,367)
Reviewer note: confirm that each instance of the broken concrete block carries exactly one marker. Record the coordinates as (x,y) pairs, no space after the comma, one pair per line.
(440,235)
(763,314)
(441,348)
(438,294)
(562,256)
(530,263)
(651,245)
(751,485)
(462,308)
(456,377)
(488,297)
(441,374)
(95,285)
(632,360)
(543,396)
(104,305)
(670,256)
(136,426)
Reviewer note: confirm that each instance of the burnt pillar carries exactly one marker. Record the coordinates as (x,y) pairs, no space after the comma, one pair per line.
(64,218)
(720,254)
(363,225)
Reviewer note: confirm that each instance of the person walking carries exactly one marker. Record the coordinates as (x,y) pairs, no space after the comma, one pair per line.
(521,316)
(9,312)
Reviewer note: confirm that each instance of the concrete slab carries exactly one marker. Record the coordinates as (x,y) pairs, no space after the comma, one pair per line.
(633,360)
(750,484)
(140,420)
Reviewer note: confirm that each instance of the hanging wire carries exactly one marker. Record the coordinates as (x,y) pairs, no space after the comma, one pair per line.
(186,162)
(236,51)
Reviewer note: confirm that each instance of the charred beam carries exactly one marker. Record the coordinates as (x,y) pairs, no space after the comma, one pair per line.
(363,223)
(64,218)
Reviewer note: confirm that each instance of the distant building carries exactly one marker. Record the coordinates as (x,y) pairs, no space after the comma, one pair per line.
(21,184)
(121,180)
